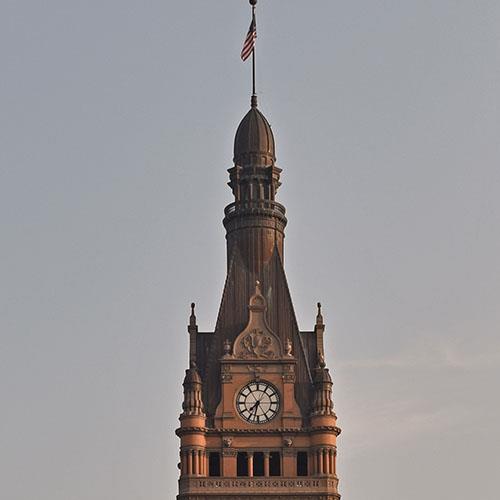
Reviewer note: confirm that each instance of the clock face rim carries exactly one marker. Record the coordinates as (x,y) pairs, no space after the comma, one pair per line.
(241,397)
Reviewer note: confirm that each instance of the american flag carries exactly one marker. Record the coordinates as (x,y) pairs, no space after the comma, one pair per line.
(249,43)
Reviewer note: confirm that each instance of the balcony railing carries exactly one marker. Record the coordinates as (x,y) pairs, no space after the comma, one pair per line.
(255,205)
(261,485)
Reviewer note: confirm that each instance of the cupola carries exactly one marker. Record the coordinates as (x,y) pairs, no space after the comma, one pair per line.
(254,141)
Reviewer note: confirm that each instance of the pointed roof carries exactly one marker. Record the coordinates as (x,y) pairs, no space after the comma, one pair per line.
(233,318)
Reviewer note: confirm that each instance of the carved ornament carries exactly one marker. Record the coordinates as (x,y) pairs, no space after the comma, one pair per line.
(257,345)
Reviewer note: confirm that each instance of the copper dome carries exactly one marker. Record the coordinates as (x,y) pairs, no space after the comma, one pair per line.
(254,141)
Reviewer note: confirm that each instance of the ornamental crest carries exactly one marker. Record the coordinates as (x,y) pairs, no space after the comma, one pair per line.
(257,345)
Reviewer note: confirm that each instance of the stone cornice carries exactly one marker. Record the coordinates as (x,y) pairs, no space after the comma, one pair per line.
(304,430)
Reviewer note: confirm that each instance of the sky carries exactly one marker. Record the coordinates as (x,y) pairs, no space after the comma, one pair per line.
(116,135)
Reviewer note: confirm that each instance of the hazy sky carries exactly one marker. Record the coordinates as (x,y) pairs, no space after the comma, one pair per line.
(116,128)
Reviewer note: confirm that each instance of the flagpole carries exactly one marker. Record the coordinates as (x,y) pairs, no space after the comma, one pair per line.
(253,3)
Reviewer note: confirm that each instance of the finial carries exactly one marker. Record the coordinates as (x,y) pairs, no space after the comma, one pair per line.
(192,318)
(257,302)
(253,101)
(253,2)
(319,317)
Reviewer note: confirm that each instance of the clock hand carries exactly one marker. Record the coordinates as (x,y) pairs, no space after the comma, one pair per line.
(253,407)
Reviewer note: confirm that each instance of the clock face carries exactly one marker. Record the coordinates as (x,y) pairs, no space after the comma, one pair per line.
(258,402)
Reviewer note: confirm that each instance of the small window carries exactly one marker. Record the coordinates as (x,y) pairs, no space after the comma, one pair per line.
(258,463)
(214,464)
(302,464)
(275,464)
(242,464)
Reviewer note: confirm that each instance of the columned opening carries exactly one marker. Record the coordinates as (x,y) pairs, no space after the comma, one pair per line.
(275,463)
(258,463)
(302,463)
(214,464)
(242,464)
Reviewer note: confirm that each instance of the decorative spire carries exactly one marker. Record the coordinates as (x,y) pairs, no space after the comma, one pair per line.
(193,331)
(192,318)
(319,330)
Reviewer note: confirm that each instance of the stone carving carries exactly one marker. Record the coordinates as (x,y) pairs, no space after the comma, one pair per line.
(289,373)
(226,375)
(227,348)
(227,442)
(256,370)
(257,345)
(288,442)
(288,348)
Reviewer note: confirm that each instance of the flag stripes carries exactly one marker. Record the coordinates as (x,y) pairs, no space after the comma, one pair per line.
(249,43)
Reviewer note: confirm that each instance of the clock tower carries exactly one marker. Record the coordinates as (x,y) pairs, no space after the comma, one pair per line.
(258,419)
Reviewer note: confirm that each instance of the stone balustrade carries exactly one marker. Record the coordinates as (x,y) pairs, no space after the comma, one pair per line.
(261,485)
